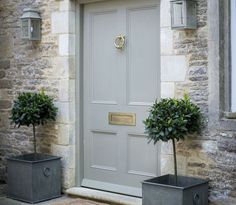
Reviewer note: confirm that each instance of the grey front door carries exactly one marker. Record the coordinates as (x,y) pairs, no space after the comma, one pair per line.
(121,81)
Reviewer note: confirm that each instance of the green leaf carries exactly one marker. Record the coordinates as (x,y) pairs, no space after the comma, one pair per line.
(33,109)
(172,119)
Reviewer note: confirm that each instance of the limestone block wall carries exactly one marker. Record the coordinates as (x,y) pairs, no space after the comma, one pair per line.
(31,66)
(184,69)
(50,64)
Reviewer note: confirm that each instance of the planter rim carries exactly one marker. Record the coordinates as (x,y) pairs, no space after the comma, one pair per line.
(203,181)
(47,158)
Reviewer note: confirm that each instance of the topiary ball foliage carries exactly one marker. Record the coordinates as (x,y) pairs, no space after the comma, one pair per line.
(33,109)
(172,119)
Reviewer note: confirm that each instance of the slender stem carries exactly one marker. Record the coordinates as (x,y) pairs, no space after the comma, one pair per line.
(175,160)
(35,151)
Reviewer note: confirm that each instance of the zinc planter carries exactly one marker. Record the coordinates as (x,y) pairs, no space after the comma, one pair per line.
(162,191)
(34,177)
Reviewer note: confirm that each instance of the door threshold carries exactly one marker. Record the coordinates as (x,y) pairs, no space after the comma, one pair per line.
(107,197)
(110,187)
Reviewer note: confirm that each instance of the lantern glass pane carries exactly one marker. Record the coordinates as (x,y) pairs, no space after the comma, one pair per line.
(178,16)
(191,14)
(25,28)
(35,29)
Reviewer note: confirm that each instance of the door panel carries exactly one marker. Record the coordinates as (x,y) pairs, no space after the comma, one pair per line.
(107,158)
(103,70)
(142,55)
(117,157)
(139,162)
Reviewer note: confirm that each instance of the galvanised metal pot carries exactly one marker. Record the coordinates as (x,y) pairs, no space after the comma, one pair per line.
(163,191)
(34,177)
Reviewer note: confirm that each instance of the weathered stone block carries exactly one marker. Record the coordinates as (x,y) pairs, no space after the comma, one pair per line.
(67,5)
(5,64)
(166,41)
(66,45)
(173,68)
(5,84)
(63,22)
(64,94)
(66,112)
(228,145)
(167,165)
(67,90)
(196,71)
(68,178)
(67,153)
(198,78)
(167,90)
(5,104)
(165,13)
(6,46)
(63,67)
(166,148)
(63,134)
(196,164)
(2,74)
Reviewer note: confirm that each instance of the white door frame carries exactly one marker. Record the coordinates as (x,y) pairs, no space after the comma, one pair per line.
(79,28)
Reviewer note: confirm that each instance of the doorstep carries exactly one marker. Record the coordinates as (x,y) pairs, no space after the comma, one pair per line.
(104,196)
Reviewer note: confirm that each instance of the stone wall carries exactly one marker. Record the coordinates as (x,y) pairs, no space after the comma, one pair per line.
(212,155)
(31,66)
(185,71)
(50,64)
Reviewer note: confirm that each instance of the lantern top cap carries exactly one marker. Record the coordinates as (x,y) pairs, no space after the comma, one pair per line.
(30,13)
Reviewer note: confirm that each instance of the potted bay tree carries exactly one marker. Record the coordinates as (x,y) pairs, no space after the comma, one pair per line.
(173,120)
(33,177)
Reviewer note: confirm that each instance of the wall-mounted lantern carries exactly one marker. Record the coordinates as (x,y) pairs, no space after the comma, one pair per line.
(31,24)
(183,14)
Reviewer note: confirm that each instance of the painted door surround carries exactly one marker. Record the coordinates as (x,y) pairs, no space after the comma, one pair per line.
(119,80)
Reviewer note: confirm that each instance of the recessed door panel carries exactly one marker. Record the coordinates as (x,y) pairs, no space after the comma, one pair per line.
(139,155)
(104,150)
(103,73)
(142,55)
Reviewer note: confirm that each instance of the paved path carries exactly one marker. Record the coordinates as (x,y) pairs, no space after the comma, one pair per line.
(59,201)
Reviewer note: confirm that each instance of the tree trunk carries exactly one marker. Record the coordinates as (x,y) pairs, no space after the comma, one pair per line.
(35,151)
(175,161)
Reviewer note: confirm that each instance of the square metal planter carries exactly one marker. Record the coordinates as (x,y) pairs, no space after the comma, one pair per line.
(34,178)
(162,191)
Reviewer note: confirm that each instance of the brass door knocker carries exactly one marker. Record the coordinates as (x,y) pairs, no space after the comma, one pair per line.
(120,42)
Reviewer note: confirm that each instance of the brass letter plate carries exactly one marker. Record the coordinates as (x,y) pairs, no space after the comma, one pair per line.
(119,118)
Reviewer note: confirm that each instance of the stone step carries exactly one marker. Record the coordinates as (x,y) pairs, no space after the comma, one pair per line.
(103,196)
